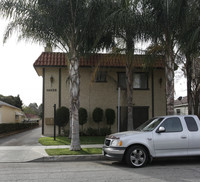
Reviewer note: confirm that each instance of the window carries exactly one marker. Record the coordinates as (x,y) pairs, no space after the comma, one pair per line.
(172,125)
(140,80)
(122,80)
(101,76)
(16,117)
(191,124)
(178,111)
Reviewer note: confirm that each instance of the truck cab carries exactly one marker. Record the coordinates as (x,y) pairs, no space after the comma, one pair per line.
(163,136)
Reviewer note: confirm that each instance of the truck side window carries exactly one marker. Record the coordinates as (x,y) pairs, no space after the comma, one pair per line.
(172,125)
(191,124)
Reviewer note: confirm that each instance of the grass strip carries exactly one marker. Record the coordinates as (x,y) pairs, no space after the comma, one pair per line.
(60,140)
(84,151)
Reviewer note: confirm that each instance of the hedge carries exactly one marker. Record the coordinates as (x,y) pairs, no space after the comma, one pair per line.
(10,127)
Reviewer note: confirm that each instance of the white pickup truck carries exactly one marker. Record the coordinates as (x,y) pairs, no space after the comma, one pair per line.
(163,136)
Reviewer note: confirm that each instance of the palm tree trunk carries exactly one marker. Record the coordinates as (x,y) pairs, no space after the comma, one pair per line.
(196,103)
(189,81)
(169,73)
(129,75)
(70,118)
(75,100)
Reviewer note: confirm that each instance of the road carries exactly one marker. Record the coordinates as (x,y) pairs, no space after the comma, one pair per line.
(101,171)
(27,138)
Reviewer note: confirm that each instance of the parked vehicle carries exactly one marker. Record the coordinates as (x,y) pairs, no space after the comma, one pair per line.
(163,136)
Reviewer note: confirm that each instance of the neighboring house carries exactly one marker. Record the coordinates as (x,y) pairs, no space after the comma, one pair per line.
(181,106)
(100,77)
(32,118)
(10,114)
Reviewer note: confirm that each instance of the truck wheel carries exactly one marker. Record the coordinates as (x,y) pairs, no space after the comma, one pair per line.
(136,156)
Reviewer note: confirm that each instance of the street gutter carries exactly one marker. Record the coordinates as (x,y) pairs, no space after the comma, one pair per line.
(69,158)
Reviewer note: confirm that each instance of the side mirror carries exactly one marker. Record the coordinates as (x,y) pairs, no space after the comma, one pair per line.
(161,129)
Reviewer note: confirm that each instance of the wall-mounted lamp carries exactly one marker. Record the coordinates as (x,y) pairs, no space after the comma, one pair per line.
(160,81)
(51,80)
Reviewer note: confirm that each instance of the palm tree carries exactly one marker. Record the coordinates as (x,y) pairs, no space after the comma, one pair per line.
(166,20)
(123,19)
(189,40)
(63,24)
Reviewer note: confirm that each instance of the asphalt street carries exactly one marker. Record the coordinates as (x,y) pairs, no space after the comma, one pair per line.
(27,138)
(101,171)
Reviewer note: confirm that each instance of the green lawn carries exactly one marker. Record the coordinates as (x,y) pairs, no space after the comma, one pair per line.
(84,151)
(60,140)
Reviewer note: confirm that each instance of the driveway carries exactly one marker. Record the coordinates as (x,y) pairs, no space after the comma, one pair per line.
(21,147)
(27,138)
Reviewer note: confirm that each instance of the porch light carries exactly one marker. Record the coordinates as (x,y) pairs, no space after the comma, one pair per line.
(51,79)
(160,81)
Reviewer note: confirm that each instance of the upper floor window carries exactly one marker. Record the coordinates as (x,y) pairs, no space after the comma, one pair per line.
(140,80)
(101,76)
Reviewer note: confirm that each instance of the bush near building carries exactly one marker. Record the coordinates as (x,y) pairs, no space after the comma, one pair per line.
(11,127)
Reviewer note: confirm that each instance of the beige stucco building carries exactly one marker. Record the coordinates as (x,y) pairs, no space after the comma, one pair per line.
(100,76)
(10,114)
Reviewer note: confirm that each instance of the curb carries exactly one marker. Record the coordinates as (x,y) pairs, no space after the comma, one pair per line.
(69,158)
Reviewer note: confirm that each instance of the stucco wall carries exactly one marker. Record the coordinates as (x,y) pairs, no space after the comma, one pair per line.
(51,98)
(183,110)
(100,94)
(8,115)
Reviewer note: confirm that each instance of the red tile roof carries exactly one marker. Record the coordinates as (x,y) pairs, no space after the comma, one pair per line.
(54,59)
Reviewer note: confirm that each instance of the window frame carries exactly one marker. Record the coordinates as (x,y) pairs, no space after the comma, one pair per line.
(172,131)
(98,75)
(124,88)
(196,130)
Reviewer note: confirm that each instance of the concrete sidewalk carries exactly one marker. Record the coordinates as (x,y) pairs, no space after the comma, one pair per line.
(38,154)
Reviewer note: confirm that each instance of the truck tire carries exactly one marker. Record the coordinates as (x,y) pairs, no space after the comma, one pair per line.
(136,156)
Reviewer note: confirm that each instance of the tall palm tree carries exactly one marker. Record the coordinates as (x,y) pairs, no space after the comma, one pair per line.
(189,45)
(62,23)
(123,20)
(166,20)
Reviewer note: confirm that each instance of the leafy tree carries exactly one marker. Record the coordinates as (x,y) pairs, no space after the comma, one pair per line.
(32,108)
(14,101)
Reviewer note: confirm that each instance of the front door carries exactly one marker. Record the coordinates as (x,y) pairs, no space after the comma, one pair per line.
(140,115)
(172,142)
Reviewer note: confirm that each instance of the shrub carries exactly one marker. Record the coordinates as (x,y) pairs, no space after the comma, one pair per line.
(97,115)
(10,127)
(92,132)
(104,131)
(110,116)
(96,132)
(62,116)
(83,116)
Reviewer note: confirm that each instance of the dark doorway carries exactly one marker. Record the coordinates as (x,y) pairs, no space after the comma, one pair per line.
(140,115)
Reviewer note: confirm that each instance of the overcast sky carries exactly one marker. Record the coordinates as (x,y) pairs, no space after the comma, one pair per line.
(17,75)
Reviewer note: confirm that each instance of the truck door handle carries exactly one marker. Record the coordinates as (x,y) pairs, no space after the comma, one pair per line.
(183,137)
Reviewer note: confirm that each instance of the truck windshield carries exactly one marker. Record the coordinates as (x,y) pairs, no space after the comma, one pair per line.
(150,125)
